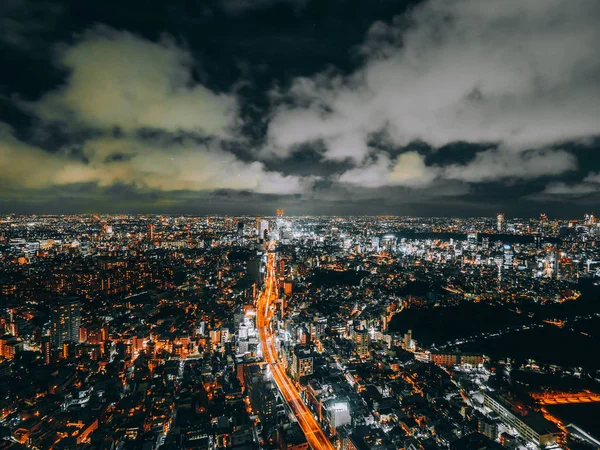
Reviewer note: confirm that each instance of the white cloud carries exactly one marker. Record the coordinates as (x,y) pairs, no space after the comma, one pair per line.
(117,79)
(492,165)
(592,177)
(182,166)
(561,188)
(589,185)
(26,166)
(523,74)
(158,165)
(409,170)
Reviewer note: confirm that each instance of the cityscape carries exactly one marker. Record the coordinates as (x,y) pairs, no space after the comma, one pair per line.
(300,225)
(281,332)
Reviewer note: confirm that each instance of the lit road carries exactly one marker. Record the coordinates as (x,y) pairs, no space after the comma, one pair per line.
(268,296)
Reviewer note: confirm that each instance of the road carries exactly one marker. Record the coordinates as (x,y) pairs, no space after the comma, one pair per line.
(268,296)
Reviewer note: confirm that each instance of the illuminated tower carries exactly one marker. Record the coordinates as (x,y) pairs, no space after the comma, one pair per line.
(508,256)
(150,233)
(46,349)
(65,317)
(500,222)
(263,229)
(361,342)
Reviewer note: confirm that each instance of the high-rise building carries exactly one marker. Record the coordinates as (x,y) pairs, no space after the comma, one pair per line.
(65,316)
(408,341)
(472,240)
(263,229)
(150,233)
(361,341)
(500,223)
(375,244)
(508,256)
(302,362)
(46,345)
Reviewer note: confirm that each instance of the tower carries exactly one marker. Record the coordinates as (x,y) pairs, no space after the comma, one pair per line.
(361,342)
(500,222)
(150,233)
(65,318)
(46,349)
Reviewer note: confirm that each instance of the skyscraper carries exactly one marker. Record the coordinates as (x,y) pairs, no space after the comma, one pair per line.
(46,349)
(500,222)
(361,342)
(65,317)
(263,229)
(150,232)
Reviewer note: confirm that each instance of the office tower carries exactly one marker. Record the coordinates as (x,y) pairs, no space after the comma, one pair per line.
(150,233)
(508,255)
(240,229)
(46,346)
(361,341)
(302,363)
(485,243)
(263,229)
(375,244)
(408,340)
(65,316)
(500,222)
(472,240)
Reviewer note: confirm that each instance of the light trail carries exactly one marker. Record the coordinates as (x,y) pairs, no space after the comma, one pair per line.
(311,429)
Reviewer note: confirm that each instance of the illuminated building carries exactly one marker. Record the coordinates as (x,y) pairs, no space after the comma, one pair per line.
(508,256)
(444,359)
(488,428)
(408,340)
(65,317)
(302,363)
(280,212)
(263,229)
(46,346)
(531,426)
(150,233)
(472,240)
(9,346)
(500,223)
(375,244)
(450,359)
(337,413)
(361,341)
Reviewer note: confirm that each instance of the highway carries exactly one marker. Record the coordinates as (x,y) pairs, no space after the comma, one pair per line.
(268,296)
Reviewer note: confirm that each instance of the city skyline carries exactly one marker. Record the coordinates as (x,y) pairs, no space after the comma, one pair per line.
(289,333)
(422,108)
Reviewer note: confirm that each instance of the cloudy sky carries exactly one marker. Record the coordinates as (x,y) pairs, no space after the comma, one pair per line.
(434,107)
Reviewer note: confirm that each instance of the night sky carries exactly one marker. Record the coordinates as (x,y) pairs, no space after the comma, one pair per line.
(437,107)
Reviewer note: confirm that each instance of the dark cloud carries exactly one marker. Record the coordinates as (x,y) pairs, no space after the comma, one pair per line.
(241,6)
(339,107)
